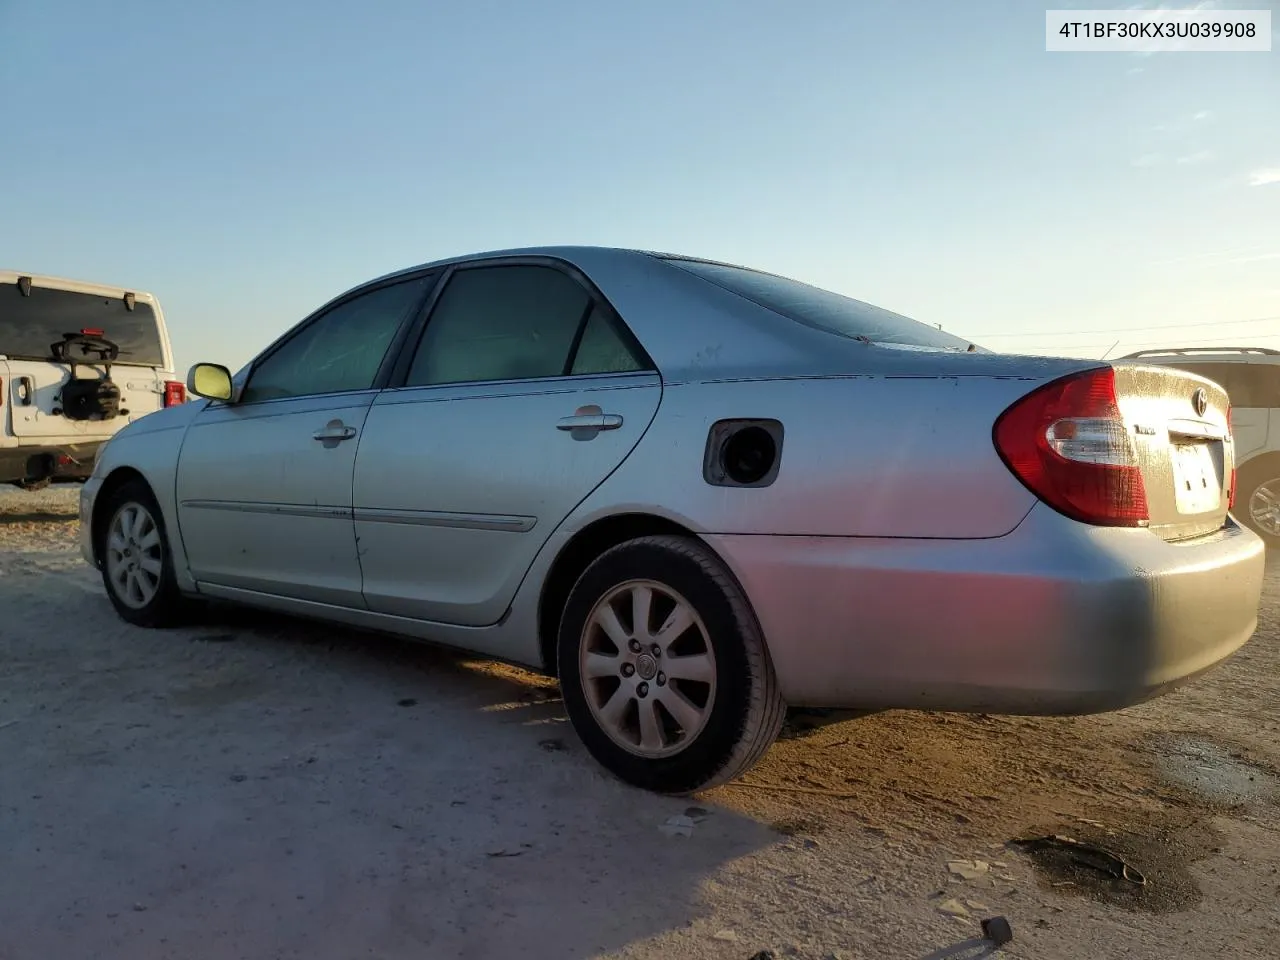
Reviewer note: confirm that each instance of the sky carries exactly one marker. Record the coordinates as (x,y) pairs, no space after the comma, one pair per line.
(245,161)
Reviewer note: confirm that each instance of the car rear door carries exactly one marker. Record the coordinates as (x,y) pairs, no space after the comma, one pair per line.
(264,483)
(523,393)
(38,313)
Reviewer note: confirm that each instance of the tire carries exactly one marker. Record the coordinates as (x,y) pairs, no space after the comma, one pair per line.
(140,595)
(1257,486)
(738,708)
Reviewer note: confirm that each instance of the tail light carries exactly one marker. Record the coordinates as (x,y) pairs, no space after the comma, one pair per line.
(1231,442)
(175,392)
(1068,444)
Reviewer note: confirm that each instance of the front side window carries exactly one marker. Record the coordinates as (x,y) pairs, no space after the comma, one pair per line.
(501,323)
(341,350)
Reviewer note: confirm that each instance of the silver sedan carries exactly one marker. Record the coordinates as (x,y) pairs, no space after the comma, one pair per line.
(697,493)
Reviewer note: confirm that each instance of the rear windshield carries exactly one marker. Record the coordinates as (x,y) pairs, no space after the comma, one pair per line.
(1247,384)
(823,309)
(29,326)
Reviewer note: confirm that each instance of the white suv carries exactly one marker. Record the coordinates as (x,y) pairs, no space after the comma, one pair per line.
(1251,377)
(78,361)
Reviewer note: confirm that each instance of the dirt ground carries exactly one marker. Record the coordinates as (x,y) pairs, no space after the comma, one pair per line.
(264,788)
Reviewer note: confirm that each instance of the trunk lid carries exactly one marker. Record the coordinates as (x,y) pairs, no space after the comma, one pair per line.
(1178,423)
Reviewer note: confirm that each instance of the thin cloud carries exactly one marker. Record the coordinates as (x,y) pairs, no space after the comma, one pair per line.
(1147,160)
(1191,159)
(1263,178)
(1265,256)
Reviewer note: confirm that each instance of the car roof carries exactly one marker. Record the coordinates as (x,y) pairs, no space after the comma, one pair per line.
(697,330)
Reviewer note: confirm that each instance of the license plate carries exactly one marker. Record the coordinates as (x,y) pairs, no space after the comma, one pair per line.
(1197,486)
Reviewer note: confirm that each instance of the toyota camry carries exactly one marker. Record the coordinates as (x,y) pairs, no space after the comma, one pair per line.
(697,494)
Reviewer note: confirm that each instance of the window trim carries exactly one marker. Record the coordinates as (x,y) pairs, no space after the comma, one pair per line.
(399,374)
(387,364)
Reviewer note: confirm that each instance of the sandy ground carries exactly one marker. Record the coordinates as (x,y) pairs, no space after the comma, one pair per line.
(263,788)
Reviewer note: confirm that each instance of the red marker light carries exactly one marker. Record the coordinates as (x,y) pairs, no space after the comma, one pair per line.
(93,332)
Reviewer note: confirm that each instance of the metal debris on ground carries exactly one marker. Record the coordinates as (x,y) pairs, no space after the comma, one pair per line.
(1089,855)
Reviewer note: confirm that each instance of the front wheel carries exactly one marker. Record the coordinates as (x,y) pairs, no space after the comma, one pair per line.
(663,668)
(137,566)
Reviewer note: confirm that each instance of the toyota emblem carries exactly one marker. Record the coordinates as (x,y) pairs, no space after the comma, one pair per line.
(1200,401)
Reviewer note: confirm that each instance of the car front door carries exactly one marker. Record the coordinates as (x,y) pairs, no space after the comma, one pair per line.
(264,482)
(523,393)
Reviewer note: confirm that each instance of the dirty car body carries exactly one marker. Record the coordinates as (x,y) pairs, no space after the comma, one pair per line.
(698,493)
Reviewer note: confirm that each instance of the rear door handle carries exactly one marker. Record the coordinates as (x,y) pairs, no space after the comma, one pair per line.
(590,421)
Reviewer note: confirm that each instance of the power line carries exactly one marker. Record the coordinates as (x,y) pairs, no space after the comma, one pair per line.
(1109,330)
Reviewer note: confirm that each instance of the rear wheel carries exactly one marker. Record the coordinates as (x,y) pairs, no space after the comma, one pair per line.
(137,566)
(663,669)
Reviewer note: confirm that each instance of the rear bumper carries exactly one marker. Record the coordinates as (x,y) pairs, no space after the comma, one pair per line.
(1054,618)
(71,461)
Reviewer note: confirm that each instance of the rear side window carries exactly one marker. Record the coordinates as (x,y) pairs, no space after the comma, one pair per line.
(602,349)
(1247,384)
(509,323)
(822,309)
(29,326)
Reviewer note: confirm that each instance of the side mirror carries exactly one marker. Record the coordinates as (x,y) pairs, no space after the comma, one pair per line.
(210,380)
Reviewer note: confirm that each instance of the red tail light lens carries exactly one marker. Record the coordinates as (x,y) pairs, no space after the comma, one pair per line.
(175,392)
(1231,442)
(1068,444)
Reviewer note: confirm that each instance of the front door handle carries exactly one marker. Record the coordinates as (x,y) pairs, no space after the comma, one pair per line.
(335,431)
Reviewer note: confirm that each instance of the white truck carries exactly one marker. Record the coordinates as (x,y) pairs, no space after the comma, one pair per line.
(78,361)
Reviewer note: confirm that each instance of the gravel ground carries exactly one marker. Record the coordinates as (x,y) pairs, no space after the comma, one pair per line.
(263,788)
